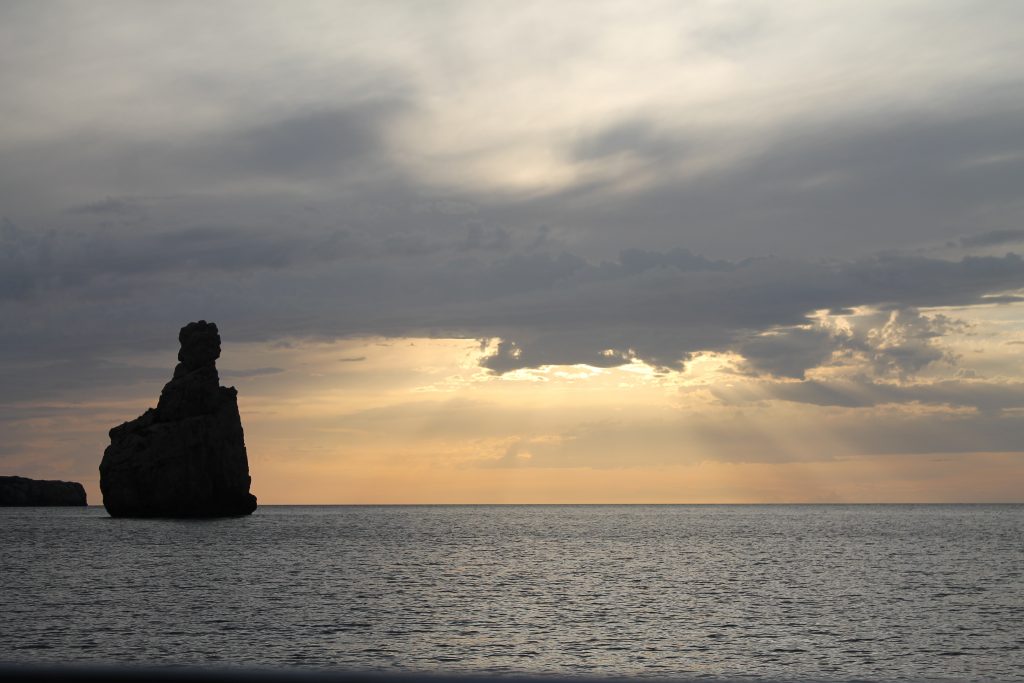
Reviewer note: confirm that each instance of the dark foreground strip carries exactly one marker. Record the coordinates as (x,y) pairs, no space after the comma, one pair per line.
(12,673)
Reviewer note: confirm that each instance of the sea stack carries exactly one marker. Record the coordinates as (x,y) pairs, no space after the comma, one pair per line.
(186,457)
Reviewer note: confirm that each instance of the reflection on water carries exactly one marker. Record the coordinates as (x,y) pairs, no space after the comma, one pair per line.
(827,592)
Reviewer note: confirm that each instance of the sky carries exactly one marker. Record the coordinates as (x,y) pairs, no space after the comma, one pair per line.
(531,252)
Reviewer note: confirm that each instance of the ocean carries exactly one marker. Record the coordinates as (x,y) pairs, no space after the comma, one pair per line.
(801,592)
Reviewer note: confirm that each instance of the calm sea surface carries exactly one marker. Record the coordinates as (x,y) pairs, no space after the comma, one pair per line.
(813,592)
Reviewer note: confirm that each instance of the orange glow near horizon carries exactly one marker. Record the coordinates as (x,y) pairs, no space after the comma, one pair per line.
(418,421)
(989,477)
(378,421)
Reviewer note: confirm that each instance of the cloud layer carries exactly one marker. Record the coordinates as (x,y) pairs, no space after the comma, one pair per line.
(548,305)
(795,187)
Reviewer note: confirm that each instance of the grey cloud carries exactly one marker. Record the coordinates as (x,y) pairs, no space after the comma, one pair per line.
(479,237)
(851,183)
(317,143)
(17,412)
(488,273)
(250,156)
(303,217)
(893,341)
(638,260)
(548,306)
(557,349)
(65,378)
(902,344)
(108,205)
(986,397)
(993,238)
(879,432)
(612,445)
(1003,299)
(609,443)
(811,177)
(32,262)
(637,137)
(662,316)
(251,372)
(788,352)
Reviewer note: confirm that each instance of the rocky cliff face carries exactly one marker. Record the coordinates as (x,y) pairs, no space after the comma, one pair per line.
(186,457)
(23,491)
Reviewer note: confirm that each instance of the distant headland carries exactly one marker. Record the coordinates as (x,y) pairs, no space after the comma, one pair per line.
(24,491)
(186,457)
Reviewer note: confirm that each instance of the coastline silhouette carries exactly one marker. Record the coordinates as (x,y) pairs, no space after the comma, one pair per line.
(18,491)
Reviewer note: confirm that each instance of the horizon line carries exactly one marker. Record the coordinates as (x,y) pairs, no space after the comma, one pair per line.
(765,504)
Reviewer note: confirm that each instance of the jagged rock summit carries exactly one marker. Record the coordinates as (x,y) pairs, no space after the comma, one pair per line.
(186,457)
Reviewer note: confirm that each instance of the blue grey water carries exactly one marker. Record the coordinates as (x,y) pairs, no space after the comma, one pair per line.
(767,592)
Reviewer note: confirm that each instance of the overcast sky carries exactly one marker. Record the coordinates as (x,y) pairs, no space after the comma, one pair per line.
(575,251)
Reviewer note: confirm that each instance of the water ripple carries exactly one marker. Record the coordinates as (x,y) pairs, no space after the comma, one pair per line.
(809,592)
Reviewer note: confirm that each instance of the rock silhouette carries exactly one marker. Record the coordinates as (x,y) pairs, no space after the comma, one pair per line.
(24,491)
(186,457)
